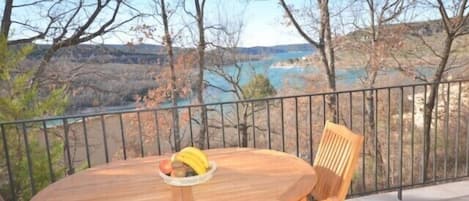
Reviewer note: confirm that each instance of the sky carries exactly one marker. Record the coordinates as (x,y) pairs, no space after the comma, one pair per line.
(262,19)
(263,27)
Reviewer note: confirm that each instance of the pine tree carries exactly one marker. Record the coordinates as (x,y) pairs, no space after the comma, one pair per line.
(19,99)
(258,87)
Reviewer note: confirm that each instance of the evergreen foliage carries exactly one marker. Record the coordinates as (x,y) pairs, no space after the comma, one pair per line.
(19,99)
(258,87)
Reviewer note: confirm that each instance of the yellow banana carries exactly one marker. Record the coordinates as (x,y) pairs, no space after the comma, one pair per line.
(191,161)
(197,152)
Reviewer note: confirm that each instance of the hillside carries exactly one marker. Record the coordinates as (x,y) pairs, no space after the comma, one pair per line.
(113,74)
(407,42)
(144,53)
(138,54)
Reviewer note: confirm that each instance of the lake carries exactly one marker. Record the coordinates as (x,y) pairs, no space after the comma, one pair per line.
(276,74)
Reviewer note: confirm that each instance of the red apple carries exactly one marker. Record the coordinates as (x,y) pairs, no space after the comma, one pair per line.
(165,166)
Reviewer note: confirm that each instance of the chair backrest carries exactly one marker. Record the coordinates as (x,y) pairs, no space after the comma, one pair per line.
(335,162)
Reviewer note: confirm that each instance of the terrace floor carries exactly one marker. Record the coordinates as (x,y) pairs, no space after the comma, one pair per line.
(456,191)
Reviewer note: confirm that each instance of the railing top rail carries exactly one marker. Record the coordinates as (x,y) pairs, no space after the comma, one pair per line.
(223,103)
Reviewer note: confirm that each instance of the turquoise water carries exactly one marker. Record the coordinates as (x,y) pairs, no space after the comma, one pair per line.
(276,75)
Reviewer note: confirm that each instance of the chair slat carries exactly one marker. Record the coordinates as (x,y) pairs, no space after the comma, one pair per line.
(340,152)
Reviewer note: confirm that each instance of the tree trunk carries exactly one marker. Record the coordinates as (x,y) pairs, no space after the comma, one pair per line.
(430,104)
(244,127)
(325,48)
(201,66)
(372,69)
(373,147)
(174,91)
(329,63)
(6,20)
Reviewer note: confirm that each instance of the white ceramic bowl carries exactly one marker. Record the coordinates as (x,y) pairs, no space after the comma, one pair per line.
(190,181)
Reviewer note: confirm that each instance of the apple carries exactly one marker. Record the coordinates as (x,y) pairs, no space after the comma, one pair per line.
(165,166)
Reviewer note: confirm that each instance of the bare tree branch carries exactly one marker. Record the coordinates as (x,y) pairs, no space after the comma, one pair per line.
(297,26)
(31,4)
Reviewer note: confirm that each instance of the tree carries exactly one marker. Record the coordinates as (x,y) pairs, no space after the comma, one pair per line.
(156,125)
(168,41)
(199,17)
(323,44)
(258,87)
(374,42)
(454,21)
(63,24)
(22,102)
(225,62)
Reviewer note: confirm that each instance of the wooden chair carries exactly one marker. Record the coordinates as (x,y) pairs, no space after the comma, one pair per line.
(335,162)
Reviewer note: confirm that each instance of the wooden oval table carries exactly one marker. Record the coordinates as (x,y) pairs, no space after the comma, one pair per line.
(242,174)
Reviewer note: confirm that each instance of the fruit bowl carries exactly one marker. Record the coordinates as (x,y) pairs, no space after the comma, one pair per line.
(192,180)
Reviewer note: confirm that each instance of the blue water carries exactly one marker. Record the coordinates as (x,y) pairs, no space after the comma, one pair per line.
(276,75)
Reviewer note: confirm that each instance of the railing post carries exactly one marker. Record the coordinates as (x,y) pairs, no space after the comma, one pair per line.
(467,148)
(238,126)
(297,131)
(140,133)
(29,159)
(121,123)
(103,127)
(206,125)
(282,120)
(401,132)
(253,125)
(49,162)
(87,147)
(268,124)
(223,125)
(7,158)
(71,170)
(310,130)
(157,127)
(189,111)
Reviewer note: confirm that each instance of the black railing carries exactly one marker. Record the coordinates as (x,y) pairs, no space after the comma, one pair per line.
(40,151)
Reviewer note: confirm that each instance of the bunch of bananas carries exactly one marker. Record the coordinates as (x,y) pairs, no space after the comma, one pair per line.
(188,162)
(194,158)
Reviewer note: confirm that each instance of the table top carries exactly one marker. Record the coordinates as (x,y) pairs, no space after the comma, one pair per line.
(242,174)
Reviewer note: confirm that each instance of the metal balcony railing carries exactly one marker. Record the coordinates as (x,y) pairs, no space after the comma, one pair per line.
(396,153)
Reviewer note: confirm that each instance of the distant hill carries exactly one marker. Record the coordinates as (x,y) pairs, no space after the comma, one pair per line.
(354,45)
(140,48)
(422,28)
(257,50)
(139,54)
(143,53)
